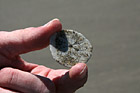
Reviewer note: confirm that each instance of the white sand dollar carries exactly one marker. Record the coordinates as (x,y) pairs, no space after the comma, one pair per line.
(69,47)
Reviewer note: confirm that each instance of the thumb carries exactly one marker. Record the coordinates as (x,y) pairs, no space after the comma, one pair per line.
(72,80)
(29,39)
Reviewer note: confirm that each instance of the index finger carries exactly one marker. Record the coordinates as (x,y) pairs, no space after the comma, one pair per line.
(29,39)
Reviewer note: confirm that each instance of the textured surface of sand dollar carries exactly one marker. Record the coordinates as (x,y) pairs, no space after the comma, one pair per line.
(69,47)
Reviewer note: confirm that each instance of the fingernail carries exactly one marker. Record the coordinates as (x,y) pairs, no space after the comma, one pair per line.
(50,22)
(83,72)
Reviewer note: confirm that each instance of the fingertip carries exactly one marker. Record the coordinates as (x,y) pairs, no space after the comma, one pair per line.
(78,71)
(54,24)
(55,19)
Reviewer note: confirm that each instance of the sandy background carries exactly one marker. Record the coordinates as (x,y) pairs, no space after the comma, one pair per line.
(112,26)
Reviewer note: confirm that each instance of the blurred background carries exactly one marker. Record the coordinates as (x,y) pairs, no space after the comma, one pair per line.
(112,26)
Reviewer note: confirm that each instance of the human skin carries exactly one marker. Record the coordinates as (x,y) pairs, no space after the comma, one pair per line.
(17,75)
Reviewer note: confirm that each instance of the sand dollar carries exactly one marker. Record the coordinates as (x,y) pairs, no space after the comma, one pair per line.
(69,47)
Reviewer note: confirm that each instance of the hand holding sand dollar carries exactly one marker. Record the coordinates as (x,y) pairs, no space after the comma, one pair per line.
(69,47)
(40,79)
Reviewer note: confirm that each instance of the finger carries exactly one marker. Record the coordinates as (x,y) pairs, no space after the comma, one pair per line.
(25,82)
(71,80)
(41,70)
(29,39)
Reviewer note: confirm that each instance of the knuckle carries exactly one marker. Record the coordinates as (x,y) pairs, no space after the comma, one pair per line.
(8,76)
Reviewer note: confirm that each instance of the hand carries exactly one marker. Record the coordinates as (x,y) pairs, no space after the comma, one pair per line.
(17,75)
